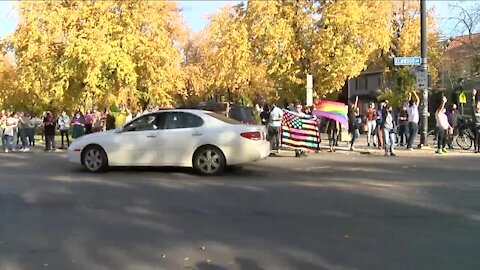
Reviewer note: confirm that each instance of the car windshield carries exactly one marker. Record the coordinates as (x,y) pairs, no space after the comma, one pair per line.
(223,118)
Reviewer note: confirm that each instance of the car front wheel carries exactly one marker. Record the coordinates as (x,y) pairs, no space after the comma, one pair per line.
(94,159)
(209,161)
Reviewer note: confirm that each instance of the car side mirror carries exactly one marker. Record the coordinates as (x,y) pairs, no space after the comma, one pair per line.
(119,130)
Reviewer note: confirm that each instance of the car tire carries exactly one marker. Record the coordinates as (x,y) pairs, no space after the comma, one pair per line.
(209,160)
(94,159)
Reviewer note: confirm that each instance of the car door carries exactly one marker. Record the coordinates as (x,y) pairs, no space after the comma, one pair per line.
(139,142)
(183,133)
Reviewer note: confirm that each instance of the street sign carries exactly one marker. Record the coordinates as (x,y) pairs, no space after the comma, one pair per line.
(462,98)
(422,79)
(407,61)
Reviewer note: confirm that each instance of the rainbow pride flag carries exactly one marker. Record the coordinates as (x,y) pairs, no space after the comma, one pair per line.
(333,110)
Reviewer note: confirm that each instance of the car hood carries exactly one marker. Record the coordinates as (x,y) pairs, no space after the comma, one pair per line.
(92,138)
(99,134)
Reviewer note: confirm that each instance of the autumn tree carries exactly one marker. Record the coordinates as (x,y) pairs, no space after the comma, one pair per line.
(280,42)
(71,52)
(405,41)
(8,79)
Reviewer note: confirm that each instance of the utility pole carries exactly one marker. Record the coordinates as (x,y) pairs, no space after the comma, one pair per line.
(424,68)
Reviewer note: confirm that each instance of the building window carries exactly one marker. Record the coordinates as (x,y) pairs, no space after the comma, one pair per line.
(366,83)
(361,84)
(380,81)
(356,84)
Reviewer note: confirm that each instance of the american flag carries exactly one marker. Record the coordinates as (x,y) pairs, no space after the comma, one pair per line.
(299,131)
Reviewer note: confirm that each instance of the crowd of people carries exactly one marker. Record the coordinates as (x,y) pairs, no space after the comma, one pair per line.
(18,129)
(385,126)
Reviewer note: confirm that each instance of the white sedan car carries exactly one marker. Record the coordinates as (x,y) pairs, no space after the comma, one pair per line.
(203,140)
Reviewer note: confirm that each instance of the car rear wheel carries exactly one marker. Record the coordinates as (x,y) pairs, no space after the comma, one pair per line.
(94,159)
(209,160)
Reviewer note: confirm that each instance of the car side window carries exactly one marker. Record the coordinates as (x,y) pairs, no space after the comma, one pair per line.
(177,120)
(144,123)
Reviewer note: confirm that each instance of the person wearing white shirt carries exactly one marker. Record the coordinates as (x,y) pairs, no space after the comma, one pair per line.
(388,128)
(413,118)
(275,123)
(9,133)
(442,127)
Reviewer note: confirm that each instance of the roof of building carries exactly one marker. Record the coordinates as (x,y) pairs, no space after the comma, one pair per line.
(463,46)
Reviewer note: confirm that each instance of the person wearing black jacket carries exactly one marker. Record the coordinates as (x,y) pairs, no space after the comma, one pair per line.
(353,125)
(476,123)
(332,128)
(388,127)
(50,126)
(265,115)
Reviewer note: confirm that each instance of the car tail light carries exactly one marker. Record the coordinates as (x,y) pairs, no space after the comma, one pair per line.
(255,135)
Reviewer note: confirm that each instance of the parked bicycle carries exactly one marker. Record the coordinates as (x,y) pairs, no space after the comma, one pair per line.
(465,135)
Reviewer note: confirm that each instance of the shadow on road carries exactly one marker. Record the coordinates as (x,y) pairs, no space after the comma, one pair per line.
(350,213)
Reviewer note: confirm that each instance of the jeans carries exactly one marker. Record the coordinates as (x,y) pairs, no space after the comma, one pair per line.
(15,139)
(23,137)
(31,136)
(64,133)
(7,141)
(379,131)
(442,138)
(78,131)
(403,133)
(49,142)
(332,138)
(355,134)
(413,131)
(389,140)
(274,137)
(371,136)
(476,140)
(88,128)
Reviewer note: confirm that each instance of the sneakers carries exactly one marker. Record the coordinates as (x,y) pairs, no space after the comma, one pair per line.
(444,151)
(439,151)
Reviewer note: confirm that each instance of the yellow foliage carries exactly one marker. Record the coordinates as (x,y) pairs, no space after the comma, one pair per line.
(68,52)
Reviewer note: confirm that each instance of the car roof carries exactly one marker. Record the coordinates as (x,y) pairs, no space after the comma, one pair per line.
(194,111)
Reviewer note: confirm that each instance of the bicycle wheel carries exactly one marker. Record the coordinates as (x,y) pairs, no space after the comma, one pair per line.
(464,140)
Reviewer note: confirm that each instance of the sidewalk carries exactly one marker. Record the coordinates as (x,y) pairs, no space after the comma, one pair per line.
(38,148)
(361,147)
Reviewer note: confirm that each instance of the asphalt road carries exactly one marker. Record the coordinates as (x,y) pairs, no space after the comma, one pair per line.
(328,211)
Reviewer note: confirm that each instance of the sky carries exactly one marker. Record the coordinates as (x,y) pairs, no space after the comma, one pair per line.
(196,12)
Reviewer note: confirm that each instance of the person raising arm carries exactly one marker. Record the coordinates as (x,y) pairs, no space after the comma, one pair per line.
(413,118)
(442,126)
(475,123)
